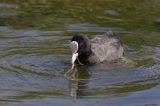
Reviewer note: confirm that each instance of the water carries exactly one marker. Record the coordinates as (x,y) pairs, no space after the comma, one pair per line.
(34,53)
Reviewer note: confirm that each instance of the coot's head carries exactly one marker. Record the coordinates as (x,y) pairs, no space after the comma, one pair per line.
(80,46)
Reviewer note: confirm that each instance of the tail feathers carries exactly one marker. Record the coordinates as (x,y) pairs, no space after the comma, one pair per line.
(110,34)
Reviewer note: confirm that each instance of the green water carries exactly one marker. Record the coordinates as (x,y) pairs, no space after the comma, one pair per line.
(34,53)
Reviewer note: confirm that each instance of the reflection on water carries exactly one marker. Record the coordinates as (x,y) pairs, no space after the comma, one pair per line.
(34,53)
(78,87)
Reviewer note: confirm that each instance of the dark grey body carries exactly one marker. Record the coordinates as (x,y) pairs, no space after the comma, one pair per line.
(101,48)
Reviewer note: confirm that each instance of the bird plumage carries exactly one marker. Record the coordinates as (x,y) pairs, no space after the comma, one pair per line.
(101,48)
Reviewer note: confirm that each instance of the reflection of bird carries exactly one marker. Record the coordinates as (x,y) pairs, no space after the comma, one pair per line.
(78,86)
(102,48)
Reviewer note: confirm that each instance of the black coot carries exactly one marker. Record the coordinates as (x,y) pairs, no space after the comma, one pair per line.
(101,48)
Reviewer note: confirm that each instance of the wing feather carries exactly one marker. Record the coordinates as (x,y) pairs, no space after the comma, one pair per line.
(107,47)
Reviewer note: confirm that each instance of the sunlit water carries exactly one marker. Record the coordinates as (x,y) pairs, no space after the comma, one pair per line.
(34,60)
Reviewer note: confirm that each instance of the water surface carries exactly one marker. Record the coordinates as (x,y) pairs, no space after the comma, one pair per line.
(34,53)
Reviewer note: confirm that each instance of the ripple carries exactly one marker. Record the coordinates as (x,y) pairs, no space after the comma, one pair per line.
(92,28)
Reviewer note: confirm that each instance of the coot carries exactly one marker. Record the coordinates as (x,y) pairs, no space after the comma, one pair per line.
(101,48)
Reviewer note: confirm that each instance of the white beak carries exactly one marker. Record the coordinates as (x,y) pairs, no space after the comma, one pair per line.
(74,49)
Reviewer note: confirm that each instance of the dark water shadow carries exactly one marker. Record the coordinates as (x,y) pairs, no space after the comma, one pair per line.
(78,82)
